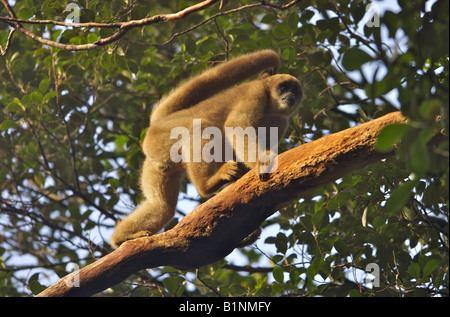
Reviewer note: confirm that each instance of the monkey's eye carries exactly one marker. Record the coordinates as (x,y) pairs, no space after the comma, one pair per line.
(284,87)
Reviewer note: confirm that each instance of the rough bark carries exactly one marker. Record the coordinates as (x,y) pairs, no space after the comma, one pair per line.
(212,230)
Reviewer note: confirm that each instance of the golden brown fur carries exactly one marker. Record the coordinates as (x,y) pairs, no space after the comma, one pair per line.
(265,102)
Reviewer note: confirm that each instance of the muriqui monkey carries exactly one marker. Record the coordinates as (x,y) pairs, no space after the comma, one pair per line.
(264,102)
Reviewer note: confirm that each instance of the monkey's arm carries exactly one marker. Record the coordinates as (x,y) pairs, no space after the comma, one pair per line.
(215,80)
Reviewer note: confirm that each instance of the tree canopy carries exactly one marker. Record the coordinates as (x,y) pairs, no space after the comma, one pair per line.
(75,101)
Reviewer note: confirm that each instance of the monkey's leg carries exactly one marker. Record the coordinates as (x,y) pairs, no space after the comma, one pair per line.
(161,193)
(147,219)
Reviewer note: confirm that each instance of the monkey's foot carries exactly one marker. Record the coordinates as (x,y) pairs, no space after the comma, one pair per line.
(230,171)
(140,234)
(117,239)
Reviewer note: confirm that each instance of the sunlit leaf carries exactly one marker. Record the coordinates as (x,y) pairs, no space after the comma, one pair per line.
(389,136)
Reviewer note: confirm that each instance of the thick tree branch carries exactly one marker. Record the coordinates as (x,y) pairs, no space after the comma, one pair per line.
(213,229)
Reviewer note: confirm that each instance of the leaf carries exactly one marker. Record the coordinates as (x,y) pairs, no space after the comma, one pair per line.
(7,124)
(276,289)
(292,21)
(355,293)
(173,283)
(39,179)
(379,88)
(33,284)
(420,158)
(114,183)
(400,196)
(44,84)
(15,106)
(354,58)
(269,18)
(430,267)
(48,96)
(281,32)
(278,274)
(378,222)
(317,217)
(281,243)
(120,61)
(121,140)
(289,55)
(414,270)
(92,37)
(133,66)
(389,136)
(36,97)
(314,268)
(190,45)
(322,58)
(342,248)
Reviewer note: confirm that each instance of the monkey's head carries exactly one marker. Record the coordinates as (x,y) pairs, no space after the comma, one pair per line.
(285,93)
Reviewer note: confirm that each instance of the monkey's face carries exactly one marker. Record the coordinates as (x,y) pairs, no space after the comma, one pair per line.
(285,94)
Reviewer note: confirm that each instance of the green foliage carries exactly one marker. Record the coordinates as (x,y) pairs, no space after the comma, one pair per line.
(71,124)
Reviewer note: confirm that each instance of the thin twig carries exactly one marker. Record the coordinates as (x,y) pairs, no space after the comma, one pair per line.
(8,42)
(227,46)
(208,286)
(124,27)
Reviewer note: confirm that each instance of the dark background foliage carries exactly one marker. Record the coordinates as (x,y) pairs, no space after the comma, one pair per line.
(71,125)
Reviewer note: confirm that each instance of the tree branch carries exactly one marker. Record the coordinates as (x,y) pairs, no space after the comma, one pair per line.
(123,27)
(212,230)
(8,42)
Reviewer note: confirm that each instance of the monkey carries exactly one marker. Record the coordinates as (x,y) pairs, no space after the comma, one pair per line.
(221,98)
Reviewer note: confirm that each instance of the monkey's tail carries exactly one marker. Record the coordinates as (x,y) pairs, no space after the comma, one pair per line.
(215,80)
